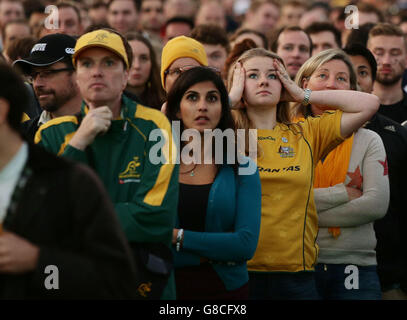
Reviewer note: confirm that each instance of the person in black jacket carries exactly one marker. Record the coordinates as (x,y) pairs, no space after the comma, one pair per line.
(391,248)
(388,45)
(59,235)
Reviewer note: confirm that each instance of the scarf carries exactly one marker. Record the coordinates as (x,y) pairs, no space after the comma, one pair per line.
(332,170)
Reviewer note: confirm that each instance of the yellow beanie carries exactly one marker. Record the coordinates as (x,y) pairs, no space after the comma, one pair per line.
(181,47)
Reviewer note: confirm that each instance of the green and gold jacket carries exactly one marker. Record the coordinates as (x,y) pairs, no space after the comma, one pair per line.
(144,193)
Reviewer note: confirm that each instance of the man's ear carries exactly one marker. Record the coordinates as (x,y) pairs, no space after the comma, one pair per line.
(125,78)
(4,109)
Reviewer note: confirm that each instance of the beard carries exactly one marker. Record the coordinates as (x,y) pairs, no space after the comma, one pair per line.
(50,103)
(388,80)
(55,100)
(393,78)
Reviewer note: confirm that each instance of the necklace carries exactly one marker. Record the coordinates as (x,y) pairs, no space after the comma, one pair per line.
(191,172)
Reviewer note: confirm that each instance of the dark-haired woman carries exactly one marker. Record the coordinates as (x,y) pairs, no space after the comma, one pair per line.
(219,204)
(144,78)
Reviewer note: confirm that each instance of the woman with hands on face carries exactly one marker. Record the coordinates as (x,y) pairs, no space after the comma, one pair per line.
(260,89)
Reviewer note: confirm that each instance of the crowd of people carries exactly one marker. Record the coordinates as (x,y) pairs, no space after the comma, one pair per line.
(202,149)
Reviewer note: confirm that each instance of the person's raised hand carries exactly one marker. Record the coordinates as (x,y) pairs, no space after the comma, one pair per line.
(236,92)
(292,92)
(97,121)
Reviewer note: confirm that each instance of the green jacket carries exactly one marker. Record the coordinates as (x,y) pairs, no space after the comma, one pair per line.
(145,195)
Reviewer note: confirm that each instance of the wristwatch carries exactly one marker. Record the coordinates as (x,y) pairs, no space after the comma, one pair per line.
(307,95)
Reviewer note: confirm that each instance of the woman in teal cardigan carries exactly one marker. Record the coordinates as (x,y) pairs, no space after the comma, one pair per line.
(219,206)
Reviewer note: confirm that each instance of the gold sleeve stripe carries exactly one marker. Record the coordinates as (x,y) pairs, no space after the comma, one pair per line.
(68,138)
(54,122)
(156,195)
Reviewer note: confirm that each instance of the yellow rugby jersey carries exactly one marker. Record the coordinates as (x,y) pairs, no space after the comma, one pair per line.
(289,222)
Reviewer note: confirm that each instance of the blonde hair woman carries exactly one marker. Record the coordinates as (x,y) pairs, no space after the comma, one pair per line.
(316,62)
(351,189)
(286,251)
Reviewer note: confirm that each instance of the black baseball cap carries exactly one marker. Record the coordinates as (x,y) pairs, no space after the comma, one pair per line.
(48,50)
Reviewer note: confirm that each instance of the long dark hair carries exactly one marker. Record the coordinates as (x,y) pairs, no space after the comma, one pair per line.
(153,94)
(191,77)
(14,91)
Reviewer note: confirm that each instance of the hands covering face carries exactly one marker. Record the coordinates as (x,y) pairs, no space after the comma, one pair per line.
(292,92)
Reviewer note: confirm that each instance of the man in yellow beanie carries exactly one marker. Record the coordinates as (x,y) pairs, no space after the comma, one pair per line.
(111,135)
(178,55)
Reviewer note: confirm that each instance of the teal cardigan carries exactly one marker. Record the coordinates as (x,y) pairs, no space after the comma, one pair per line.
(232,227)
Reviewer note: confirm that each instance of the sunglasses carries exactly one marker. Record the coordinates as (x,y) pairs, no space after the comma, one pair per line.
(44,74)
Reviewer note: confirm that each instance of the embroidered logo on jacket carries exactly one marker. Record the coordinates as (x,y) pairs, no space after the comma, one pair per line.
(286,152)
(130,174)
(390,128)
(144,289)
(266,138)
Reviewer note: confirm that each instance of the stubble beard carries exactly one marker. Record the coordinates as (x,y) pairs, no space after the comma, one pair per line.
(58,100)
(388,81)
(49,105)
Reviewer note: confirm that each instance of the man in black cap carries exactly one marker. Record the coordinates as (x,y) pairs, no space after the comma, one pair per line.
(50,68)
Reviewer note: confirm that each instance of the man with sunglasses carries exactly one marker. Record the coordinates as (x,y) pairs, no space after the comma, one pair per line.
(49,68)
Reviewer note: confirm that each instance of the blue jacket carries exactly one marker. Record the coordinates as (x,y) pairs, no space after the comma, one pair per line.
(231,229)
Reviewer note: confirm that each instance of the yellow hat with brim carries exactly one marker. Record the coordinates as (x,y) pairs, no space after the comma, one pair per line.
(102,39)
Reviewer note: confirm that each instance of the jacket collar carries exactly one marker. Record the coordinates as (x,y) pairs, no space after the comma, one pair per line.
(128,108)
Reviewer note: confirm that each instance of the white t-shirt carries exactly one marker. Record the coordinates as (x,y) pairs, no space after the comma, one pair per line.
(44,118)
(9,177)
